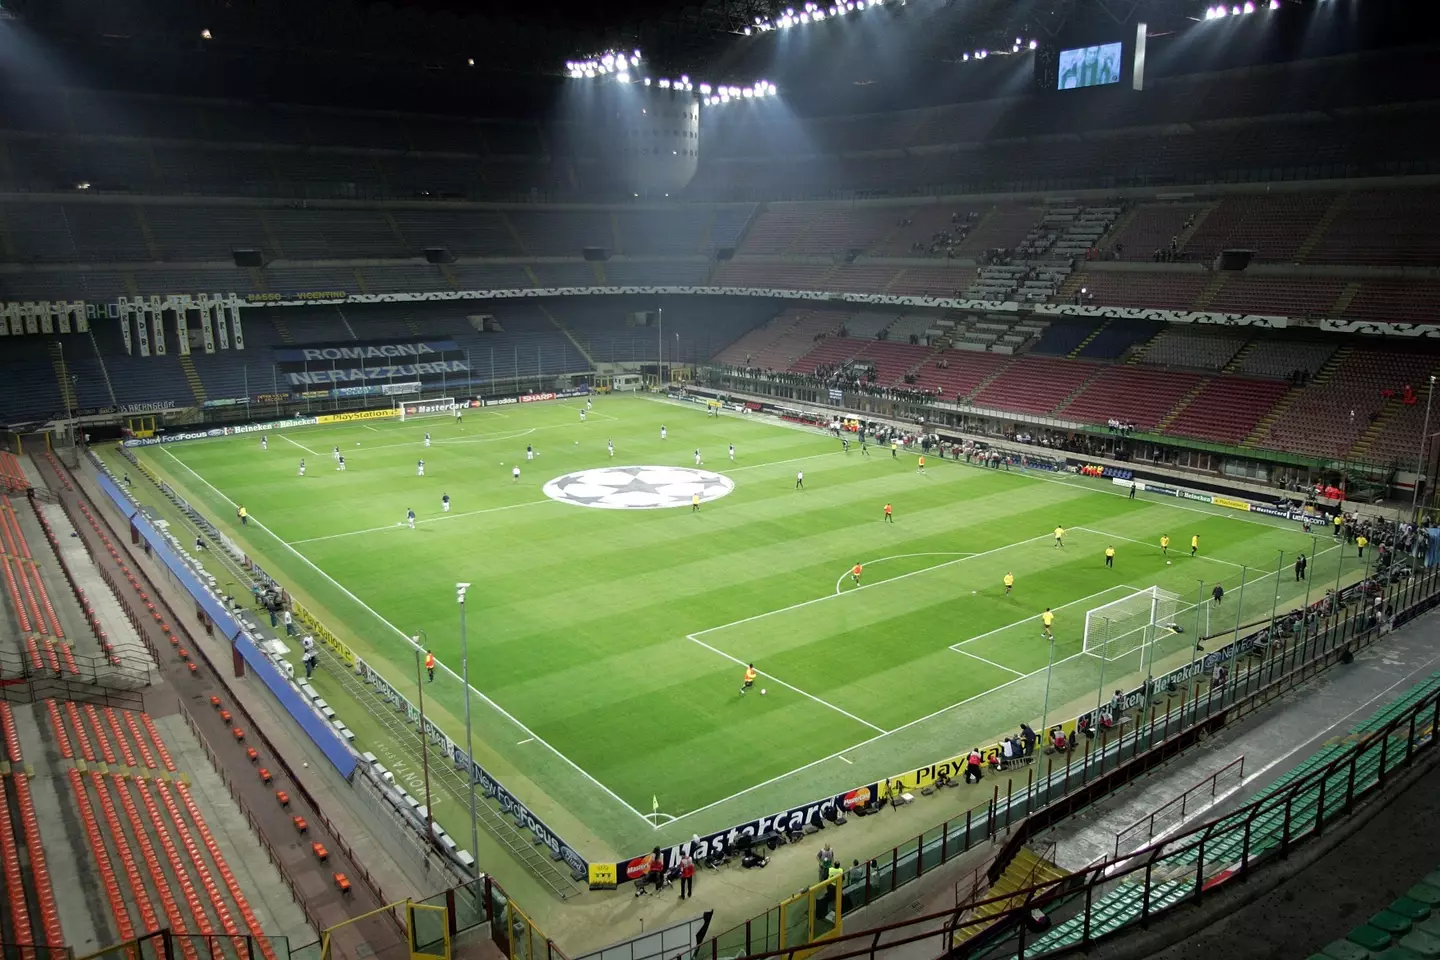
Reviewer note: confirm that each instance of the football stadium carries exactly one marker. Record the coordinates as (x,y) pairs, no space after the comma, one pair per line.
(903,478)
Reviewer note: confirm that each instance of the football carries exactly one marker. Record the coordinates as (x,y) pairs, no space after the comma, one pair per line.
(1167,563)
(762,691)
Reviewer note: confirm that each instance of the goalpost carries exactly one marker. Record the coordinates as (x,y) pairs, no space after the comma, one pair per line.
(414,410)
(1119,628)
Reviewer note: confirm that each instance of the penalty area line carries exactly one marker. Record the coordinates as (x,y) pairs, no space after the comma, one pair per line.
(287,440)
(809,696)
(899,556)
(411,644)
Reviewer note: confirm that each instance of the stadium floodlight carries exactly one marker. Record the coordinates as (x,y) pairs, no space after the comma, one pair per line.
(1034,44)
(965,57)
(205,35)
(1274,4)
(1249,7)
(1235,10)
(622,77)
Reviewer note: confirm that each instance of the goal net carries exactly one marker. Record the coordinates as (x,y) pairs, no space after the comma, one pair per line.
(413,409)
(1132,623)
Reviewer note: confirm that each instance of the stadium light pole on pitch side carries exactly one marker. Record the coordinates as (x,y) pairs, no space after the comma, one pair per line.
(460,589)
(1420,454)
(424,734)
(1049,667)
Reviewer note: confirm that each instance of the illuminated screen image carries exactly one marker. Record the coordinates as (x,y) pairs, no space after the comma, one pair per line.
(1089,66)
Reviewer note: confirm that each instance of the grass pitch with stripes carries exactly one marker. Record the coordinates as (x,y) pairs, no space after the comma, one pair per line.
(606,645)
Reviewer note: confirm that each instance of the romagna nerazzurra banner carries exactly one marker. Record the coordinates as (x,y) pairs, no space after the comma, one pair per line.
(352,362)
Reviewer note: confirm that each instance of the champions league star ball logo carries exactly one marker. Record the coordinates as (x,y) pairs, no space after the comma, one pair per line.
(638,488)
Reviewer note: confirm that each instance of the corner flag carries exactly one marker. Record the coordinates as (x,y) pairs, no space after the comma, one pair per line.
(654,804)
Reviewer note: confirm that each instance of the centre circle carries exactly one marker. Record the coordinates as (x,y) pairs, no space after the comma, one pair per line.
(638,488)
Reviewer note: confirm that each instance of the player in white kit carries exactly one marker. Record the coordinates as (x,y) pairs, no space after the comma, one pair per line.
(264,442)
(302,466)
(410,516)
(335,454)
(445,503)
(732,451)
(662,431)
(340,463)
(427,439)
(697,456)
(582,416)
(611,445)
(515,474)
(420,468)
(529,452)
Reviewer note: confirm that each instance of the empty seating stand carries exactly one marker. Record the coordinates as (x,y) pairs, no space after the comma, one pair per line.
(40,627)
(34,918)
(1034,384)
(1227,409)
(150,830)
(1132,394)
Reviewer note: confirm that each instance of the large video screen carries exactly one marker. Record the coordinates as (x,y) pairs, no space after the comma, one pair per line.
(1089,66)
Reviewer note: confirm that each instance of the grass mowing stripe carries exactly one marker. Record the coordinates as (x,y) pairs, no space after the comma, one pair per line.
(400,633)
(809,696)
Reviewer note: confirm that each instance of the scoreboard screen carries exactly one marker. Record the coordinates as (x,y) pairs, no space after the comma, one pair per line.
(1089,66)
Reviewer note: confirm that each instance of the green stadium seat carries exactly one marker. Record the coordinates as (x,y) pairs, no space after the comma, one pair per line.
(1396,953)
(1425,893)
(1347,950)
(1371,938)
(1392,923)
(1422,944)
(1412,910)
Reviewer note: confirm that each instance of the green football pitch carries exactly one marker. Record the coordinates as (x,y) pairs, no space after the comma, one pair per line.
(606,646)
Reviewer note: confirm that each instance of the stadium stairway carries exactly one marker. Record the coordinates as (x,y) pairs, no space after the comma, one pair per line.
(1342,302)
(1025,871)
(568,335)
(1239,357)
(1211,289)
(62,374)
(1086,342)
(1124,904)
(187,366)
(1278,411)
(1180,405)
(1107,242)
(1322,226)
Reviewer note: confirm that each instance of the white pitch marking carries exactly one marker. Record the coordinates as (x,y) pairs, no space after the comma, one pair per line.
(445,516)
(1156,545)
(287,440)
(865,586)
(413,645)
(875,739)
(846,759)
(521,743)
(990,633)
(998,666)
(809,696)
(370,428)
(901,556)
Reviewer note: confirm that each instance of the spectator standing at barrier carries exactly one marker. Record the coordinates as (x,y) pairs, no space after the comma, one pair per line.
(1217,594)
(289,624)
(687,876)
(826,859)
(1360,543)
(244,516)
(1300,564)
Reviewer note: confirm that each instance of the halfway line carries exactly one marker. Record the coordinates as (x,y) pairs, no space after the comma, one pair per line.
(443,516)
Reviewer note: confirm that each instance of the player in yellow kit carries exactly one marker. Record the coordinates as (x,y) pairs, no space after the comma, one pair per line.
(749,679)
(1194,543)
(1048,620)
(1165,543)
(1009,583)
(1110,557)
(1059,536)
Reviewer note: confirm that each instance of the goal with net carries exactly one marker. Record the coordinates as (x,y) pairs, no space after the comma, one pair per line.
(413,410)
(1132,623)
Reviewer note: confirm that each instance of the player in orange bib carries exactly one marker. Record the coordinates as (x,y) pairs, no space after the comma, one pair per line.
(855,574)
(921,468)
(749,679)
(889,514)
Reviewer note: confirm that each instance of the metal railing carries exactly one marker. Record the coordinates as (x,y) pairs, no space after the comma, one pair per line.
(1177,809)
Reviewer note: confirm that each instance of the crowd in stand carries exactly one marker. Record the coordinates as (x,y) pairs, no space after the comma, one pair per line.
(943,243)
(1121,427)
